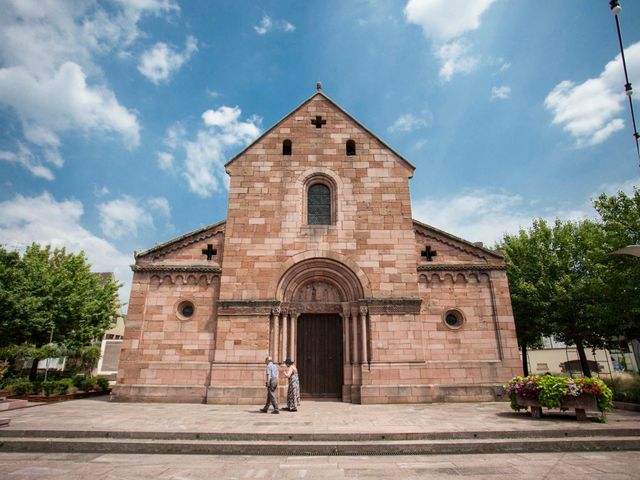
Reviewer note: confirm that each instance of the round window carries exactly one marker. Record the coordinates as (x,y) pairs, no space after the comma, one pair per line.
(453,319)
(186,309)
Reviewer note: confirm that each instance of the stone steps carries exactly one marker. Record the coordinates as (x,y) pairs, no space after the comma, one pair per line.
(608,439)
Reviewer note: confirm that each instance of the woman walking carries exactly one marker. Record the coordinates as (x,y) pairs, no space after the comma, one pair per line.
(293,393)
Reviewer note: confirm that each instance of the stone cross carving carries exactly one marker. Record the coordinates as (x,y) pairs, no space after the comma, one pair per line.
(319,121)
(428,253)
(209,251)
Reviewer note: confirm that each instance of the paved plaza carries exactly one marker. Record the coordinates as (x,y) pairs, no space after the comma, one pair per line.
(320,418)
(535,466)
(312,417)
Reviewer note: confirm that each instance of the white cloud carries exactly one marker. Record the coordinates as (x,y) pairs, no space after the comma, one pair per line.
(49,76)
(446,19)
(203,165)
(161,62)
(175,135)
(592,110)
(264,26)
(408,123)
(62,102)
(267,24)
(455,58)
(500,93)
(25,158)
(160,204)
(613,188)
(165,162)
(100,191)
(486,215)
(445,22)
(42,219)
(123,216)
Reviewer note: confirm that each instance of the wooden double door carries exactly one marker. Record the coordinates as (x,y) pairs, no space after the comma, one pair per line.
(319,355)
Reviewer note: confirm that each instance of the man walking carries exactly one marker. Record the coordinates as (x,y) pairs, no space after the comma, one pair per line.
(272,386)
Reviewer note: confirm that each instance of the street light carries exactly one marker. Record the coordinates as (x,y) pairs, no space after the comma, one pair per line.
(615,10)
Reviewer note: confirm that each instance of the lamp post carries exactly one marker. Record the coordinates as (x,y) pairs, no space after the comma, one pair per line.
(615,10)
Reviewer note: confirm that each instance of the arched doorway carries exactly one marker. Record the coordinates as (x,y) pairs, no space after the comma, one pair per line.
(319,325)
(319,355)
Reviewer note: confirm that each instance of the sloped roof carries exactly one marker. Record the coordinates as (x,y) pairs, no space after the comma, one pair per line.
(181,241)
(468,244)
(319,93)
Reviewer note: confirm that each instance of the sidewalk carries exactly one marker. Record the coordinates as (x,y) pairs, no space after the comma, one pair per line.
(312,417)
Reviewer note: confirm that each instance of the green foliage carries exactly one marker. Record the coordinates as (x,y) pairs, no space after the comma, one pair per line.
(77,381)
(102,383)
(49,387)
(88,383)
(620,216)
(20,386)
(552,390)
(549,390)
(601,390)
(64,386)
(558,278)
(88,357)
(49,295)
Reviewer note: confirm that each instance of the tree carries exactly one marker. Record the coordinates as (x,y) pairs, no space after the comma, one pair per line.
(557,277)
(620,216)
(578,308)
(52,297)
(530,273)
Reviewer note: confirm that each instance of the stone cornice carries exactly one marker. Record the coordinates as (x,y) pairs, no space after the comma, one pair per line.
(392,305)
(456,267)
(275,307)
(246,307)
(177,268)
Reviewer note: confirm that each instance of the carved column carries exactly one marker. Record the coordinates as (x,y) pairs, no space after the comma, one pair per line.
(272,320)
(346,337)
(293,316)
(283,349)
(354,337)
(363,329)
(275,334)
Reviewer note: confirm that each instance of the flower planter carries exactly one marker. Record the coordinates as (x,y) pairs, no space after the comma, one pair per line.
(581,404)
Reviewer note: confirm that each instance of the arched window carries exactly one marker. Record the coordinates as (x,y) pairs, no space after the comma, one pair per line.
(286,147)
(351,147)
(319,205)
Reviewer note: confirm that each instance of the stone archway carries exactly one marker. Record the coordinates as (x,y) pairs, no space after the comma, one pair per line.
(322,299)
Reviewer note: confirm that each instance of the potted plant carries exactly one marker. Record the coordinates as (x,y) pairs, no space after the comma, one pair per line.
(582,394)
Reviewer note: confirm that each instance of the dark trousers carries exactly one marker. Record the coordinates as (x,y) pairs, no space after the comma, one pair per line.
(271,396)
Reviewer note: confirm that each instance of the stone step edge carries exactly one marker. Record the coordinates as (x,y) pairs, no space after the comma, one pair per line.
(343,437)
(318,448)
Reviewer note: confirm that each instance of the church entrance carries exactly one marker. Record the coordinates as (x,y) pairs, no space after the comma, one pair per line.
(319,355)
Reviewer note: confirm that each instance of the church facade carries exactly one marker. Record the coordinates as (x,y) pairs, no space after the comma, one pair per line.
(319,260)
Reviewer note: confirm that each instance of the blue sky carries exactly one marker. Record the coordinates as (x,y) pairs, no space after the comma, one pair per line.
(116,117)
